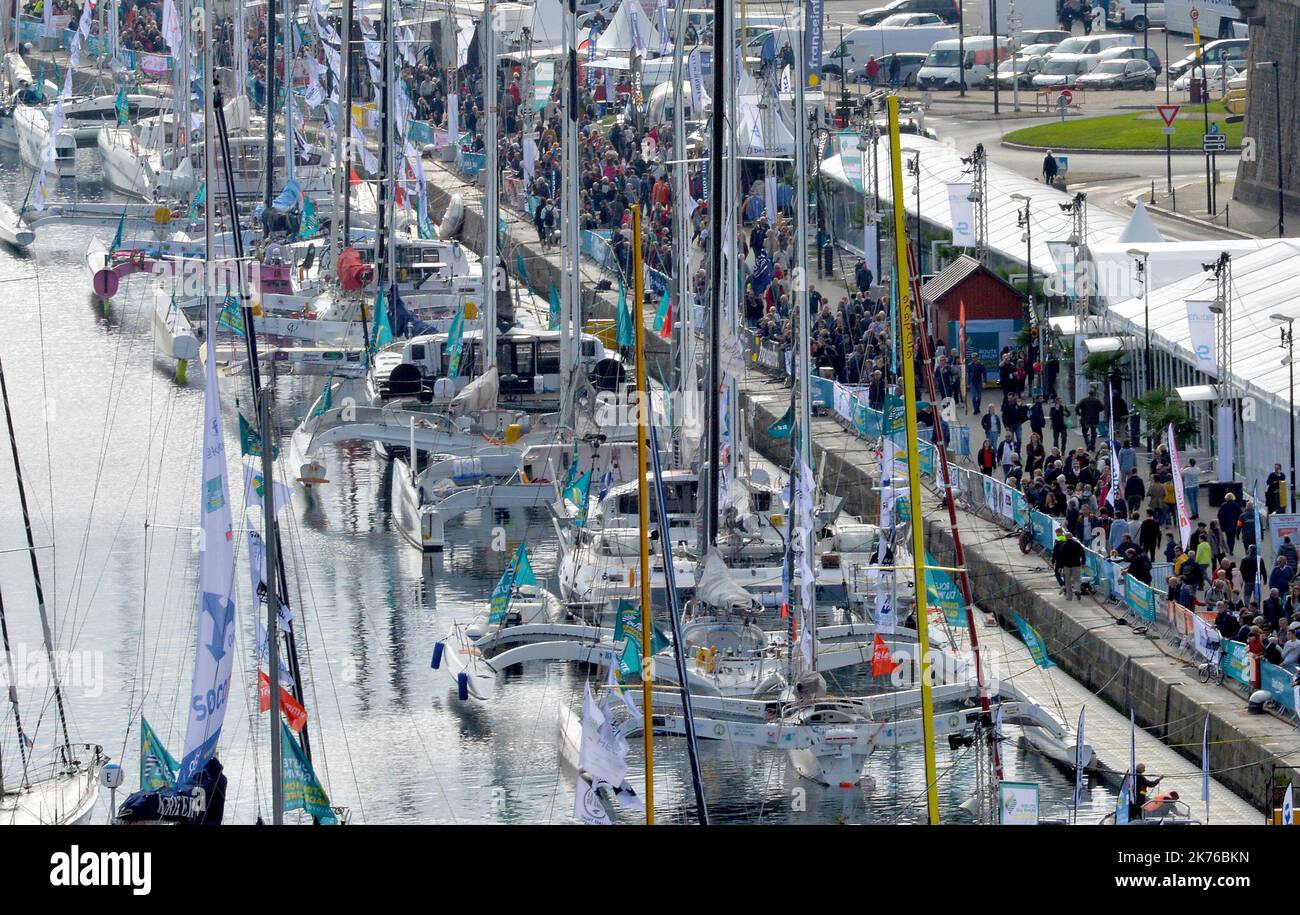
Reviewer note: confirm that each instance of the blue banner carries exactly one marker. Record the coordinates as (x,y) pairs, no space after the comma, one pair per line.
(1034,642)
(1140,599)
(812,42)
(943,590)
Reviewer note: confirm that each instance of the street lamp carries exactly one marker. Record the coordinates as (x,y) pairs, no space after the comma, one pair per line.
(1022,220)
(1277,126)
(1288,343)
(1142,263)
(1205,109)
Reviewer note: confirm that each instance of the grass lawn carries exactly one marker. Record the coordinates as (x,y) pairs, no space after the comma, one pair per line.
(1131,130)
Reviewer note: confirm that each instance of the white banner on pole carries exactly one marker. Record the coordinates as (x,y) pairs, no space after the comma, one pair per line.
(1180,496)
(963,215)
(1200,326)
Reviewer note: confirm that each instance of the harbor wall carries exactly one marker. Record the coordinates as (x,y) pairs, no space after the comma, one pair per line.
(1126,669)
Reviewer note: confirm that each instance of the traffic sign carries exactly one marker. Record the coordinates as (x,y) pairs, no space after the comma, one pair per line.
(1214,127)
(1214,142)
(1196,14)
(1168,113)
(1168,131)
(1066,97)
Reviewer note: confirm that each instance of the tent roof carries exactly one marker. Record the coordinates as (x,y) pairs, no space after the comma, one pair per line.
(1140,228)
(941,164)
(618,34)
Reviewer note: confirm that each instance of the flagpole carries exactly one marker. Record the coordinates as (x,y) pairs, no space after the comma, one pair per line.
(272,608)
(906,356)
(643,510)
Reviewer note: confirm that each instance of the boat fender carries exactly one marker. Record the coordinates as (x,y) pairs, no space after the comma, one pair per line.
(437,656)
(462,686)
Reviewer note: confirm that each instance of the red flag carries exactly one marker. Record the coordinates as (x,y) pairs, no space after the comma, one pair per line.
(292,708)
(667,330)
(353,177)
(961,333)
(882,663)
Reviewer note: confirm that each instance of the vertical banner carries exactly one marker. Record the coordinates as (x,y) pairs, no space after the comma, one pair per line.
(851,159)
(869,231)
(543,83)
(1225,439)
(695,67)
(812,46)
(1200,327)
(963,215)
(1180,495)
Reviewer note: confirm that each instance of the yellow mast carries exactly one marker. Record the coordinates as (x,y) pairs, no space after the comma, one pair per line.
(907,357)
(643,509)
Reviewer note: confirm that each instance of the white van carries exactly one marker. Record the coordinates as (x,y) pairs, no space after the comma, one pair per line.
(943,66)
(862,44)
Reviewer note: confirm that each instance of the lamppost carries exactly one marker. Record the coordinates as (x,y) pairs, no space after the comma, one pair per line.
(1288,343)
(1022,221)
(1142,263)
(1205,110)
(1277,126)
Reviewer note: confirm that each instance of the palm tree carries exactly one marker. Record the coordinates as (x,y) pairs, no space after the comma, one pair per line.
(1159,408)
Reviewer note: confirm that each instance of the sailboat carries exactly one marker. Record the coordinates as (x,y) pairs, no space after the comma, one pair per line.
(64,790)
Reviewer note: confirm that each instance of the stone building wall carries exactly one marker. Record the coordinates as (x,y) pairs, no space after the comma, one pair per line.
(1274,35)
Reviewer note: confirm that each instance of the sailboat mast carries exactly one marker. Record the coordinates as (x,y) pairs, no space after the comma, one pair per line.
(906,356)
(685,341)
(268,193)
(272,609)
(289,139)
(490,217)
(383,242)
(46,632)
(344,128)
(571,301)
(13,699)
(716,195)
(392,144)
(643,510)
(803,358)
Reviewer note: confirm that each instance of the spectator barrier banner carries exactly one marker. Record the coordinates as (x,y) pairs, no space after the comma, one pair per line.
(1277,680)
(1236,663)
(1140,599)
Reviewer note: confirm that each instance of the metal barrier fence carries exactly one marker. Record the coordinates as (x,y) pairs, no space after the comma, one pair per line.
(1191,636)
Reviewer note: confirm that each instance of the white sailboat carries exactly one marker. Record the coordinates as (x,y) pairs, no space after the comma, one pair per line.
(14,230)
(33,128)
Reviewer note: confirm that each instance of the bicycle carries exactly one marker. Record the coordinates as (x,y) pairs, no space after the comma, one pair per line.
(1212,669)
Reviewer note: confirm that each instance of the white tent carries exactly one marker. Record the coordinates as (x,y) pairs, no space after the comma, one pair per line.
(750,136)
(1115,270)
(1140,228)
(547,26)
(1264,283)
(629,24)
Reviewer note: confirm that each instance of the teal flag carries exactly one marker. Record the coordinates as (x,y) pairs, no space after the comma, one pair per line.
(555,309)
(623,325)
(200,196)
(117,236)
(250,440)
(522,269)
(302,790)
(310,225)
(519,572)
(123,107)
(576,492)
(455,343)
(629,659)
(943,590)
(326,401)
(783,426)
(627,625)
(158,768)
(664,316)
(523,568)
(230,317)
(1034,642)
(382,334)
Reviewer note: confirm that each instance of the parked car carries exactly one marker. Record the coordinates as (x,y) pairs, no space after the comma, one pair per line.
(1026,37)
(1138,15)
(908,63)
(905,20)
(1119,74)
(1094,44)
(1231,51)
(944,9)
(1219,76)
(1134,53)
(1028,62)
(1060,71)
(946,67)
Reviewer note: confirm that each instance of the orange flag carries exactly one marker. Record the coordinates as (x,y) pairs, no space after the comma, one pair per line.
(292,708)
(882,663)
(961,332)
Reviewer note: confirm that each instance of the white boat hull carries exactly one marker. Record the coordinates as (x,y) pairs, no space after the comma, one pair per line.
(174,336)
(33,128)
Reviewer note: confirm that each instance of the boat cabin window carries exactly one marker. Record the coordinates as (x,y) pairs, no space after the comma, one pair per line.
(417,352)
(548,358)
(588,349)
(762,502)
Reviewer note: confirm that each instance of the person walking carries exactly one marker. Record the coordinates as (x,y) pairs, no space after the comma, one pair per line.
(992,424)
(1089,410)
(1057,417)
(1067,560)
(1149,535)
(1230,520)
(1050,168)
(976,376)
(1192,488)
